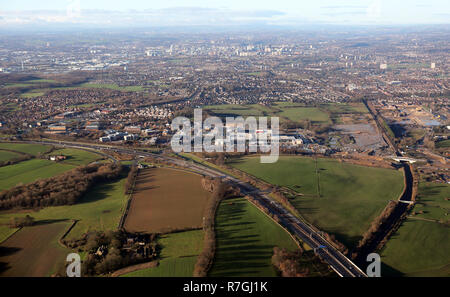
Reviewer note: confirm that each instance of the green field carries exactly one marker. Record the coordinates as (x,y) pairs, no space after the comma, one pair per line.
(178,255)
(76,157)
(345,108)
(420,246)
(245,240)
(296,114)
(285,110)
(443,144)
(5,232)
(290,111)
(7,155)
(112,87)
(32,94)
(339,198)
(29,171)
(31,149)
(100,209)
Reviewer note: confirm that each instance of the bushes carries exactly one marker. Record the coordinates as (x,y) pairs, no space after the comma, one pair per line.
(22,222)
(64,189)
(287,263)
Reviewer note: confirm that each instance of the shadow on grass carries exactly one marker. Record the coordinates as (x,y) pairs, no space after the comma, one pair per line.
(7,251)
(98,192)
(388,271)
(46,222)
(4,266)
(238,254)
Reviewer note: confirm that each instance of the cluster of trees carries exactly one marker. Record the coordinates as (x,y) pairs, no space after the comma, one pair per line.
(338,245)
(63,189)
(22,222)
(206,257)
(288,263)
(132,174)
(106,252)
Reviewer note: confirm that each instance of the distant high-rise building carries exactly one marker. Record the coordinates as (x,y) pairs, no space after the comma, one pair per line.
(433,65)
(383,66)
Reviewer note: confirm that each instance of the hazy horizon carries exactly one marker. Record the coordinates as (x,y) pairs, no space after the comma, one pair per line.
(172,13)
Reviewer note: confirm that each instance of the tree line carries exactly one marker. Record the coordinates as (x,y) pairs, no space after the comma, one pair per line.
(206,257)
(63,189)
(376,228)
(132,174)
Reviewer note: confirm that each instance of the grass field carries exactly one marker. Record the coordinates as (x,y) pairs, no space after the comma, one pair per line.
(339,198)
(178,255)
(166,199)
(31,149)
(5,232)
(342,108)
(443,144)
(31,94)
(245,240)
(420,246)
(7,155)
(33,251)
(100,209)
(296,114)
(286,111)
(113,87)
(77,157)
(29,171)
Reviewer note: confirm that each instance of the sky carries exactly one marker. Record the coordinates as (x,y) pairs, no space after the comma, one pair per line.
(223,12)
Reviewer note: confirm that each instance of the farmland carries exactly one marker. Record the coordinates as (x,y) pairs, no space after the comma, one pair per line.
(166,199)
(178,255)
(286,111)
(420,246)
(7,155)
(33,251)
(76,157)
(100,209)
(31,149)
(29,171)
(339,198)
(245,240)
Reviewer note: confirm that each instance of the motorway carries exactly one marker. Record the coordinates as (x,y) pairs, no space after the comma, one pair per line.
(343,266)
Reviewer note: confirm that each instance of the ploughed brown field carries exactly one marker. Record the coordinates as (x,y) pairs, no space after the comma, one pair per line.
(33,251)
(166,200)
